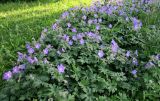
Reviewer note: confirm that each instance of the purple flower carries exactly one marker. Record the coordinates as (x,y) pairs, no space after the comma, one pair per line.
(100,53)
(74,30)
(135,61)
(70,42)
(95,15)
(74,37)
(83,9)
(30,50)
(136,24)
(90,21)
(134,72)
(133,1)
(30,60)
(94,36)
(80,36)
(84,17)
(149,1)
(149,65)
(97,27)
(22,67)
(95,21)
(99,20)
(49,46)
(54,26)
(66,37)
(37,45)
(28,46)
(90,34)
(45,51)
(92,8)
(7,75)
(109,11)
(114,46)
(128,54)
(35,59)
(98,38)
(15,69)
(121,12)
(142,1)
(20,56)
(69,25)
(63,50)
(65,14)
(61,68)
(81,41)
(158,56)
(110,25)
(115,7)
(103,9)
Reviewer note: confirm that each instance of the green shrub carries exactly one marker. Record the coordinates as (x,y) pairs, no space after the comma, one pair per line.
(90,54)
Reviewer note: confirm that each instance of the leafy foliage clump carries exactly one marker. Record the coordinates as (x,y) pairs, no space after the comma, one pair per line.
(90,54)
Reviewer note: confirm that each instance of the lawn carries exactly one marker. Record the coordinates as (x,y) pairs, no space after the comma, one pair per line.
(21,22)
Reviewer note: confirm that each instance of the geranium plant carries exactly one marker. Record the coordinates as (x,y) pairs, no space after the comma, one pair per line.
(90,54)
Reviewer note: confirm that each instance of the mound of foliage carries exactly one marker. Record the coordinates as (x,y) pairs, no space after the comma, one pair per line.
(89,54)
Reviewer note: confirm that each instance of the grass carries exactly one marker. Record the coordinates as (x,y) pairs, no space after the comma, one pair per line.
(21,22)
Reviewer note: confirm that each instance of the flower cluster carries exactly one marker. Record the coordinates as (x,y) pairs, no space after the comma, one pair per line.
(81,38)
(15,70)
